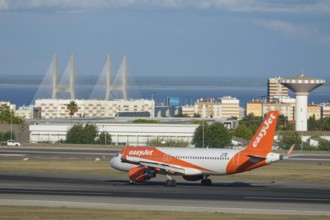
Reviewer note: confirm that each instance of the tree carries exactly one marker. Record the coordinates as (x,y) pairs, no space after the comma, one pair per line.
(215,136)
(313,124)
(252,122)
(82,134)
(72,107)
(167,142)
(2,138)
(243,132)
(8,135)
(325,124)
(104,138)
(324,144)
(7,115)
(287,138)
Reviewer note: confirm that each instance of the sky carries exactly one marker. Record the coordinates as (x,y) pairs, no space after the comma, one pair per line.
(211,38)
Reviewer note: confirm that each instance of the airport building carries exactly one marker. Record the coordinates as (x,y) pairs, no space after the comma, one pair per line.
(301,85)
(121,134)
(225,107)
(57,108)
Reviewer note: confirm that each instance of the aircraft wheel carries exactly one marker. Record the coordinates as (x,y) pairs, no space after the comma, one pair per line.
(170,183)
(206,182)
(131,182)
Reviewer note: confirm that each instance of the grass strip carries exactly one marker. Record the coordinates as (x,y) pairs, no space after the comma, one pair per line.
(25,212)
(297,171)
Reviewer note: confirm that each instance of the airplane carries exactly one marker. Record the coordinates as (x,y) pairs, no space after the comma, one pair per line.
(193,164)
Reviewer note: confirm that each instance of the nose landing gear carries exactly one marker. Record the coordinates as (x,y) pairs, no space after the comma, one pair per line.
(206,182)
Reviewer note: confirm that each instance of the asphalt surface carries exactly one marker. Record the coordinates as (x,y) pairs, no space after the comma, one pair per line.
(115,192)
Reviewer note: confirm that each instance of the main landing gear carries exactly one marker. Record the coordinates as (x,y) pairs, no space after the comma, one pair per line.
(170,182)
(206,181)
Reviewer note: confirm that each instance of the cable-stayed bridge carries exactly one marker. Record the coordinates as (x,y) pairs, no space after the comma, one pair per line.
(107,87)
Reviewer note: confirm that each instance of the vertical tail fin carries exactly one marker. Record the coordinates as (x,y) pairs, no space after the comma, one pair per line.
(262,140)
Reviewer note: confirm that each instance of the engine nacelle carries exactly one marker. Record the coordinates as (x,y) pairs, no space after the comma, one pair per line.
(193,178)
(140,174)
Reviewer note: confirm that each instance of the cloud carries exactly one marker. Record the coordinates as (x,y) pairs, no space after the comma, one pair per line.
(285,27)
(281,6)
(66,4)
(3,5)
(296,31)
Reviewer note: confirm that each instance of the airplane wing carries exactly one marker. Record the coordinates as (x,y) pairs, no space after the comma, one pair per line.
(167,168)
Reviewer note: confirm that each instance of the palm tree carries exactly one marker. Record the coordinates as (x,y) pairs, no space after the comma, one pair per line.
(72,107)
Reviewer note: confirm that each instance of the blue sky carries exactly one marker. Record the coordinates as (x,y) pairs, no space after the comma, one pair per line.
(213,38)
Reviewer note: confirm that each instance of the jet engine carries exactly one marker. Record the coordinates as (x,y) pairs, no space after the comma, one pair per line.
(140,174)
(193,178)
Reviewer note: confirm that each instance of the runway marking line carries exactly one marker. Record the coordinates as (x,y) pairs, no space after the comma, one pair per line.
(282,198)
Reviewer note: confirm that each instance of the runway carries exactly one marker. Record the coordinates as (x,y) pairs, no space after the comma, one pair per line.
(115,192)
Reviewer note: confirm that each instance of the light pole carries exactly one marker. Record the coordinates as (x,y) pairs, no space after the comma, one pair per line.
(302,136)
(11,126)
(105,136)
(203,133)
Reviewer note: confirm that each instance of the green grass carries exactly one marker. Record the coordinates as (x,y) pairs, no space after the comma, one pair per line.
(293,171)
(24,212)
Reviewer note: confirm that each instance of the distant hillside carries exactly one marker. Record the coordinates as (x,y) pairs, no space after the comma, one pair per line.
(153,81)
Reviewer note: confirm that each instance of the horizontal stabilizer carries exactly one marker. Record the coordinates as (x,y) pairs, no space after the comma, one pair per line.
(288,154)
(255,156)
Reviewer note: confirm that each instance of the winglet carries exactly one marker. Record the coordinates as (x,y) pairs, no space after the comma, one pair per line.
(262,140)
(290,150)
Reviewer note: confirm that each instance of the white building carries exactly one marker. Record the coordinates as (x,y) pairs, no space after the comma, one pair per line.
(133,134)
(57,108)
(225,107)
(12,107)
(276,90)
(325,110)
(25,112)
(188,110)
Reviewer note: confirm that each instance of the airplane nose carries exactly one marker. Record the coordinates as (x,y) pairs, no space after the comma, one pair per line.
(112,161)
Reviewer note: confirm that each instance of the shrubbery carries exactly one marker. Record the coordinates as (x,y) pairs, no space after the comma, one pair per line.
(86,134)
(167,142)
(6,136)
(216,135)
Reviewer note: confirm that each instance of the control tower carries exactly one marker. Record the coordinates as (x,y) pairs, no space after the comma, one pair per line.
(301,85)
